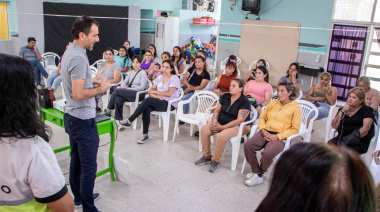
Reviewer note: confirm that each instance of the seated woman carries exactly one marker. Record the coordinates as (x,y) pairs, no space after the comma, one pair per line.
(323,96)
(165,88)
(130,52)
(222,70)
(354,122)
(152,48)
(31,179)
(55,78)
(200,53)
(135,81)
(232,110)
(167,56)
(321,178)
(280,119)
(195,79)
(292,76)
(222,84)
(371,95)
(123,60)
(178,59)
(251,73)
(148,63)
(260,89)
(109,69)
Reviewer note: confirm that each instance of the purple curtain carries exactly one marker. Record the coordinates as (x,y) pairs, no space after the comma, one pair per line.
(346,57)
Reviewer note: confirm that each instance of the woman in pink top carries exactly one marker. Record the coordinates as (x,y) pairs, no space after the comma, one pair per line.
(259,88)
(371,95)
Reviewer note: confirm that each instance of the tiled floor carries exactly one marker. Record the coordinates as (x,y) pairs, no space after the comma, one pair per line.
(163,176)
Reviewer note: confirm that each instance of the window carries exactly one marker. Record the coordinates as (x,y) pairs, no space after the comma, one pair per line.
(353,10)
(4,30)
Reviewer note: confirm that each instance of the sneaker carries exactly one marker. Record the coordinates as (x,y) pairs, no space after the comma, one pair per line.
(254,180)
(203,160)
(180,123)
(125,124)
(249,175)
(107,112)
(214,166)
(144,139)
(78,204)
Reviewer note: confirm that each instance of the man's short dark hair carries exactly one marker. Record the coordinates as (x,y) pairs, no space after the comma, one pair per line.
(82,24)
(31,39)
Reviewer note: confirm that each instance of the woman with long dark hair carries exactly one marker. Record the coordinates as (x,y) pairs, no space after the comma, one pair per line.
(292,76)
(31,178)
(318,177)
(251,73)
(152,48)
(178,59)
(222,84)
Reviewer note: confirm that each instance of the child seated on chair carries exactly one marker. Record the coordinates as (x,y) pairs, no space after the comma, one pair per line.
(155,72)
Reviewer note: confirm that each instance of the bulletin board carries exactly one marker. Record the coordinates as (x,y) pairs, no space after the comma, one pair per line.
(276,42)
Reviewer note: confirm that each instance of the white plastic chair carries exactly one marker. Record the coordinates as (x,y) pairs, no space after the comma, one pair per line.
(327,122)
(300,94)
(253,64)
(94,71)
(106,96)
(306,109)
(97,63)
(367,157)
(50,61)
(207,101)
(165,115)
(133,105)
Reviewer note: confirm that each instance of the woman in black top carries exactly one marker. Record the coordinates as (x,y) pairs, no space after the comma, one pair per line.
(232,110)
(354,122)
(195,79)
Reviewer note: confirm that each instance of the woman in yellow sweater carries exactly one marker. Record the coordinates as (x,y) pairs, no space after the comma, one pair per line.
(281,119)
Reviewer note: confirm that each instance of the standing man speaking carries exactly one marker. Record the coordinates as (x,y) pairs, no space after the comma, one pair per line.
(79,119)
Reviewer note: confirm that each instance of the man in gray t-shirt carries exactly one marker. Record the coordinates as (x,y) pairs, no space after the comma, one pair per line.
(30,52)
(79,119)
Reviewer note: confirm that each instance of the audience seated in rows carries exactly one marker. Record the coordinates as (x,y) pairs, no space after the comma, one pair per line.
(233,109)
(251,73)
(30,52)
(371,95)
(222,84)
(292,76)
(55,78)
(31,179)
(178,59)
(319,177)
(323,96)
(165,88)
(148,63)
(152,48)
(123,60)
(259,88)
(195,79)
(280,119)
(354,122)
(135,81)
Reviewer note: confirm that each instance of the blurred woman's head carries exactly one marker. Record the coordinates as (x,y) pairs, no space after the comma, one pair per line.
(356,97)
(148,56)
(200,63)
(177,52)
(108,54)
(236,87)
(168,67)
(320,177)
(294,67)
(231,69)
(152,48)
(261,74)
(286,91)
(165,56)
(122,51)
(136,62)
(232,58)
(364,82)
(261,62)
(18,101)
(325,78)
